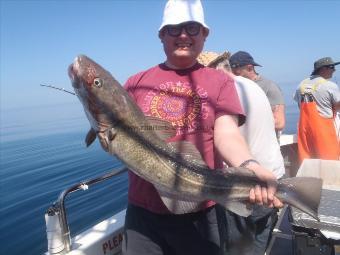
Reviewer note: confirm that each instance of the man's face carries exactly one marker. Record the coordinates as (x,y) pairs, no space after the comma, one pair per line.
(183,43)
(243,71)
(328,71)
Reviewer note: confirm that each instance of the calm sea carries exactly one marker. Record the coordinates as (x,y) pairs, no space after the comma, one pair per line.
(42,153)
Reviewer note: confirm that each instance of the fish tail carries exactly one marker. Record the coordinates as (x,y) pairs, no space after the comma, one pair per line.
(304,193)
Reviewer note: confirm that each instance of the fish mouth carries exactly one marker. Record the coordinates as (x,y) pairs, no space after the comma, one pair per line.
(73,77)
(81,72)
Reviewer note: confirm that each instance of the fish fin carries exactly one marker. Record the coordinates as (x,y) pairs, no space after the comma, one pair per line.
(111,133)
(304,193)
(106,137)
(178,206)
(90,137)
(188,151)
(163,128)
(241,208)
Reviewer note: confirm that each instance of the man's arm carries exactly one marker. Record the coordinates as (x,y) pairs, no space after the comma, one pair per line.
(279,116)
(233,148)
(276,99)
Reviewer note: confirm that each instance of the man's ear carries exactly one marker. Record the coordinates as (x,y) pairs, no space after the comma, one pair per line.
(205,32)
(161,35)
(250,68)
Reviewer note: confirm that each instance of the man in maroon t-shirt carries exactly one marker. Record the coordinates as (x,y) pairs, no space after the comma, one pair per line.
(203,106)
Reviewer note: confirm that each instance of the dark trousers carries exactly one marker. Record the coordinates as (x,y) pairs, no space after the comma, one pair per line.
(147,233)
(247,235)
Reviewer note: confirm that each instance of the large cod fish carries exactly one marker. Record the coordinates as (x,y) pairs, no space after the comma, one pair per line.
(183,180)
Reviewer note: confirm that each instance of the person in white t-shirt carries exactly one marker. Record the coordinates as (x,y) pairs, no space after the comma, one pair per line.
(259,127)
(252,232)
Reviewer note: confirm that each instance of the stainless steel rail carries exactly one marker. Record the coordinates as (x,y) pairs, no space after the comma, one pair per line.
(59,205)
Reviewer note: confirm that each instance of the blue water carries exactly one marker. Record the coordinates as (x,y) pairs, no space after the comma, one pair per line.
(42,153)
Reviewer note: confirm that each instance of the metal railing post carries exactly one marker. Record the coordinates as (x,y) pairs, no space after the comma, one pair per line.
(56,219)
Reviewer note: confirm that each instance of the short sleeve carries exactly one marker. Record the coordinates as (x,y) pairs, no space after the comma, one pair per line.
(276,95)
(228,102)
(131,85)
(296,96)
(335,93)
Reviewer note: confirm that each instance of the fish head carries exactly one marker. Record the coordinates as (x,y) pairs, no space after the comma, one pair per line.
(95,88)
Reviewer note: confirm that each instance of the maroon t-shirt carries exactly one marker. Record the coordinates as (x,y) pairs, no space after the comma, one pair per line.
(190,100)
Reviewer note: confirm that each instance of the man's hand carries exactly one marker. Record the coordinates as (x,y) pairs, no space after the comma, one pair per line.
(264,195)
(235,151)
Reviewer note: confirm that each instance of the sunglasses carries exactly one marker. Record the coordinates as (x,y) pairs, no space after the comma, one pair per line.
(191,29)
(330,67)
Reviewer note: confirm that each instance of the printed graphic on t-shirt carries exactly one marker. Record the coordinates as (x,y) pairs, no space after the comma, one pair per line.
(177,103)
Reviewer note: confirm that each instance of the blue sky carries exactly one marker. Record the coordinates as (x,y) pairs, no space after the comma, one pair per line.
(39,39)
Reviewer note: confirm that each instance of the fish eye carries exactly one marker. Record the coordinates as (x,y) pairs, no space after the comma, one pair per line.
(98,82)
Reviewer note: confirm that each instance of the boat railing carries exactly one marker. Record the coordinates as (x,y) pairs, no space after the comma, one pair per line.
(58,232)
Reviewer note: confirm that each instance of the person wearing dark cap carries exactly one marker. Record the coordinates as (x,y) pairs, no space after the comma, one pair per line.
(318,99)
(243,64)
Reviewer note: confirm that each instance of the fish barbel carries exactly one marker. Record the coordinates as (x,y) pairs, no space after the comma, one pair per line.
(177,170)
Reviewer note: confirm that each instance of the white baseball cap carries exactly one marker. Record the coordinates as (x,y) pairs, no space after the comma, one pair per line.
(179,11)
